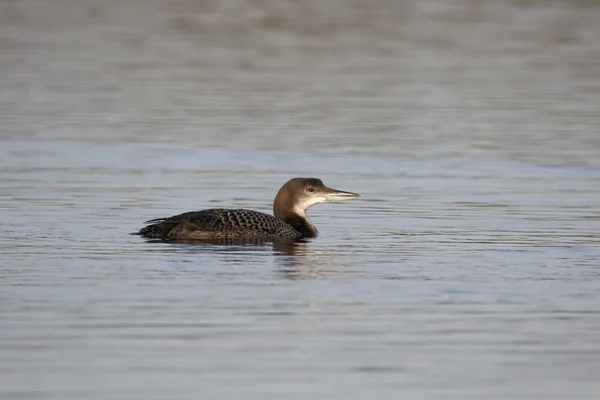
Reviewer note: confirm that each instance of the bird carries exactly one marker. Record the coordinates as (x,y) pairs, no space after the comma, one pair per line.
(289,219)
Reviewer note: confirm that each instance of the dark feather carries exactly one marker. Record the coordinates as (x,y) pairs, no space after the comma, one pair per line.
(219,222)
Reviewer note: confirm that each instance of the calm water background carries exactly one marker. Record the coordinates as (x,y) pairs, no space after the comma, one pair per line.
(469,269)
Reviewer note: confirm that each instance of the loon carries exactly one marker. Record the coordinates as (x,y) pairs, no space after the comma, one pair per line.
(289,221)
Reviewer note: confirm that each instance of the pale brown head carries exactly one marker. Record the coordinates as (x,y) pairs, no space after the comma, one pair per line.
(298,194)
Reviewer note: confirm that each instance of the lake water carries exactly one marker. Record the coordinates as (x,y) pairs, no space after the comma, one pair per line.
(468,269)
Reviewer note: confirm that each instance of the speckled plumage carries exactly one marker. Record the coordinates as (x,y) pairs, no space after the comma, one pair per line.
(289,219)
(220,223)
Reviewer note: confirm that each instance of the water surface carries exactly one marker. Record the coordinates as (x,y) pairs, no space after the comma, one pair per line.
(468,269)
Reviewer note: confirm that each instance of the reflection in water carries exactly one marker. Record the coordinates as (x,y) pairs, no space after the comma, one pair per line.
(290,247)
(285,246)
(295,258)
(298,261)
(281,247)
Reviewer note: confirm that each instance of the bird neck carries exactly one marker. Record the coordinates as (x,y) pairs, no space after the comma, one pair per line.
(301,223)
(295,217)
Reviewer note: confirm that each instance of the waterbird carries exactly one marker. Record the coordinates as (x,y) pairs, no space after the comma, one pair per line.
(288,222)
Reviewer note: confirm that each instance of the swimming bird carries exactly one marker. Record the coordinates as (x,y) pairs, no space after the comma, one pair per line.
(288,222)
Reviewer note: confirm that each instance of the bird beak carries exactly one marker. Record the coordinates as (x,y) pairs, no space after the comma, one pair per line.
(338,195)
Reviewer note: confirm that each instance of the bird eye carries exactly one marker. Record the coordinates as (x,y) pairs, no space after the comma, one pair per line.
(311,189)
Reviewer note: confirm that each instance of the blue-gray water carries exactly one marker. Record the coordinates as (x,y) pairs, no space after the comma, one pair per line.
(468,269)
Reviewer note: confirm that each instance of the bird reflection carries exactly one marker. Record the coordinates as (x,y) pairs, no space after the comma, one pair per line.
(298,261)
(295,259)
(220,245)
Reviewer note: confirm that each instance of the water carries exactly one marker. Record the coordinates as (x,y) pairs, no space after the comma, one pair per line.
(468,268)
